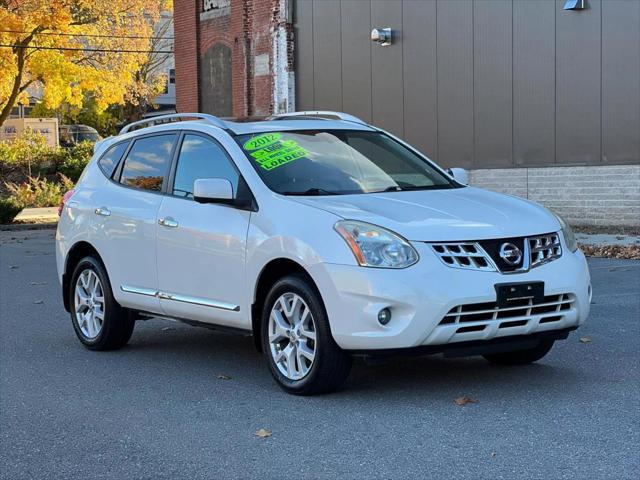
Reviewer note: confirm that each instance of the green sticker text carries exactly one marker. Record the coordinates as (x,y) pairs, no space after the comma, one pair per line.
(261,141)
(279,153)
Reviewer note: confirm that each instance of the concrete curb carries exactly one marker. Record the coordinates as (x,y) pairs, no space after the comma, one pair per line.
(17,227)
(37,215)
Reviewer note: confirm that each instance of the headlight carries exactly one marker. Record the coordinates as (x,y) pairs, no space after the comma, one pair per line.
(567,234)
(375,246)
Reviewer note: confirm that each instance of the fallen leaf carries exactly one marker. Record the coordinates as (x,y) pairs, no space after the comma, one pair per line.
(493,454)
(13,267)
(612,251)
(222,376)
(166,329)
(38,302)
(464,400)
(263,433)
(585,340)
(38,283)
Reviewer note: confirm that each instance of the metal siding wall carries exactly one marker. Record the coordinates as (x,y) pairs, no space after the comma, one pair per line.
(492,73)
(327,53)
(420,75)
(534,85)
(455,83)
(386,62)
(578,85)
(621,81)
(304,54)
(356,58)
(481,83)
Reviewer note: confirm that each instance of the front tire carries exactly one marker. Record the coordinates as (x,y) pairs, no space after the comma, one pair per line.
(99,321)
(521,357)
(297,342)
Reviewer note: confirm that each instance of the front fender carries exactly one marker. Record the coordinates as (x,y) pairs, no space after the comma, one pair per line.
(284,229)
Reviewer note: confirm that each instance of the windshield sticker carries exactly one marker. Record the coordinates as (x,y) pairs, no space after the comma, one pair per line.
(261,141)
(278,153)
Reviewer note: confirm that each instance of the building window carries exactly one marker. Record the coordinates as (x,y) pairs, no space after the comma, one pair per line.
(215,5)
(215,8)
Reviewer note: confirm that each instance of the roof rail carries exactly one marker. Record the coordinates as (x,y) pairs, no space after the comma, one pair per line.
(177,116)
(324,114)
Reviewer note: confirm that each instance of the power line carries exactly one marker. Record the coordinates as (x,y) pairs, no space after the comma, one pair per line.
(90,35)
(3,45)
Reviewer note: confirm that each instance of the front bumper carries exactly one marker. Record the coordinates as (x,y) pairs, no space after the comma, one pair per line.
(420,296)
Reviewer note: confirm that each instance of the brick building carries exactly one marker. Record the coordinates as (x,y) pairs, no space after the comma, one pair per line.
(539,99)
(233,57)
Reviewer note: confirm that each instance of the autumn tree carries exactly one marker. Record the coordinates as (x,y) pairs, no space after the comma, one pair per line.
(74,46)
(150,79)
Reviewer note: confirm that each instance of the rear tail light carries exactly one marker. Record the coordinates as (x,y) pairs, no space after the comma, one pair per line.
(64,199)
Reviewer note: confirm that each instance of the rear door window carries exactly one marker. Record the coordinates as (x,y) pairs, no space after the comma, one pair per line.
(147,162)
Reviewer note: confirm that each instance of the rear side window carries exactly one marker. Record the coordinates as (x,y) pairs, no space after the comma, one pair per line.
(201,158)
(146,164)
(110,159)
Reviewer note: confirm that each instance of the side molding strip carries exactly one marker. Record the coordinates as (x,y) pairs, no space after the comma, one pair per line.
(180,298)
(140,291)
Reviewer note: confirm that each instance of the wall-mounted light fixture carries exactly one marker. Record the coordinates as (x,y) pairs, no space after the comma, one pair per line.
(382,36)
(575,5)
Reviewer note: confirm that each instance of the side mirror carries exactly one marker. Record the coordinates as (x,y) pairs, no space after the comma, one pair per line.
(213,190)
(460,175)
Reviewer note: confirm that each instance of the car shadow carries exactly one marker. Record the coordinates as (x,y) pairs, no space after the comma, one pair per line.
(429,377)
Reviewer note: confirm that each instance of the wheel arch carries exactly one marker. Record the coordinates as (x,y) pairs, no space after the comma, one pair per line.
(273,271)
(76,253)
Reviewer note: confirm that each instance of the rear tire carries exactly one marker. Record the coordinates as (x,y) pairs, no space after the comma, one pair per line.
(297,342)
(98,320)
(521,357)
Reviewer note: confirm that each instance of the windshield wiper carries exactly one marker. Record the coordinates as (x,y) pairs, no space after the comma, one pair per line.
(312,191)
(392,188)
(423,187)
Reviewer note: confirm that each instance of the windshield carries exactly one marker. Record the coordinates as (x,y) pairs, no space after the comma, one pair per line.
(338,162)
(86,136)
(86,133)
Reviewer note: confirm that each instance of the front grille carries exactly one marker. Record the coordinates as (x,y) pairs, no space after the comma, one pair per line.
(463,255)
(550,308)
(486,255)
(492,247)
(544,248)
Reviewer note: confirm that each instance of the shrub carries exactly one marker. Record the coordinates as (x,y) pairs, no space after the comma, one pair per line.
(8,210)
(37,192)
(29,157)
(72,161)
(29,152)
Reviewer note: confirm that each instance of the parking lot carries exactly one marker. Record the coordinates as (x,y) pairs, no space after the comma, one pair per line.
(159,408)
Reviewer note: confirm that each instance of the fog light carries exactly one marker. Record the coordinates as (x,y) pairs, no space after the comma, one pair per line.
(384,316)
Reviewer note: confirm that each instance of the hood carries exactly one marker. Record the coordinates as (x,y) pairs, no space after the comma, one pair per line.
(442,215)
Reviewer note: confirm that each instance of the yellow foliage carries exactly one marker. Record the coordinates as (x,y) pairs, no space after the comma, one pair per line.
(32,29)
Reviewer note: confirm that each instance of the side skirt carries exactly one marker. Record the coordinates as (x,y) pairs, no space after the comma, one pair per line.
(141,315)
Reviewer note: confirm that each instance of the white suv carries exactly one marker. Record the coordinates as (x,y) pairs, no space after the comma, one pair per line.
(322,236)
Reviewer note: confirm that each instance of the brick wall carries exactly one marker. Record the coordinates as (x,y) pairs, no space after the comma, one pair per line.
(185,21)
(245,26)
(587,196)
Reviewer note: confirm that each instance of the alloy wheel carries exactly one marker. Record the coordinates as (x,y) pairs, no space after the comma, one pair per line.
(89,303)
(292,336)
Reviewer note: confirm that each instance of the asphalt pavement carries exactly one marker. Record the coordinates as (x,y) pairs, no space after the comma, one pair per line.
(157,409)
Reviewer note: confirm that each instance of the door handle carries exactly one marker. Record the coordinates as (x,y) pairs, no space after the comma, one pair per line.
(168,222)
(104,211)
